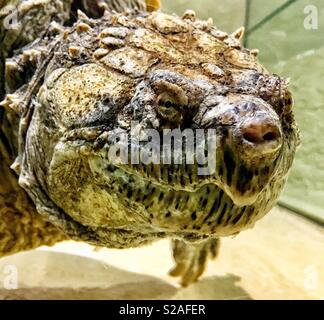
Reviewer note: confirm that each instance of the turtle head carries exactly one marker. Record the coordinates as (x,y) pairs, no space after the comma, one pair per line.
(152,126)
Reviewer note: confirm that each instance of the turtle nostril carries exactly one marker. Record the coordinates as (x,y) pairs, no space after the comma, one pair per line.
(261,132)
(251,136)
(270,136)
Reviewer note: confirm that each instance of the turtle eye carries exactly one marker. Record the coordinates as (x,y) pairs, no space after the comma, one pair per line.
(168,108)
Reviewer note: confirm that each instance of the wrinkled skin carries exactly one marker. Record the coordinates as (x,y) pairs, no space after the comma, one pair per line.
(93,79)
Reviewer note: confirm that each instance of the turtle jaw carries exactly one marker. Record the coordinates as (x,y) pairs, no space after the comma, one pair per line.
(205,211)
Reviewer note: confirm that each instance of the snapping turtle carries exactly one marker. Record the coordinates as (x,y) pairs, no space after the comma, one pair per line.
(76,73)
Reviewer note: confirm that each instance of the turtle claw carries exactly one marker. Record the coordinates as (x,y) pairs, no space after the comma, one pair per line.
(191,259)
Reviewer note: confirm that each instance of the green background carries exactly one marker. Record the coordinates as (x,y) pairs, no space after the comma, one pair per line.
(288,49)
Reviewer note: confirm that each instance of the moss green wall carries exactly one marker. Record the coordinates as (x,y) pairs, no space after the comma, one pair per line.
(288,49)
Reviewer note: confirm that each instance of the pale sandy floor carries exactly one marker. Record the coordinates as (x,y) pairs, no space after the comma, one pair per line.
(281,258)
